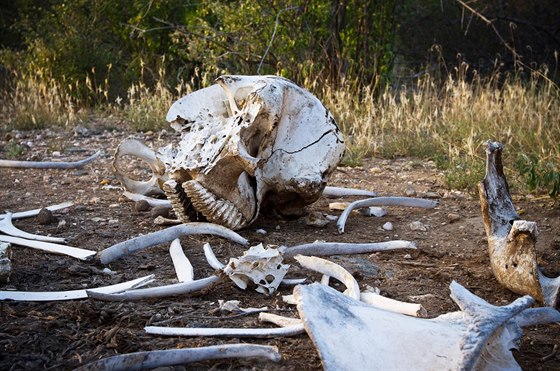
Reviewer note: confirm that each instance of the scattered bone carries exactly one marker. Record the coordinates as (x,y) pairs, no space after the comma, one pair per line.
(8,228)
(5,262)
(183,266)
(74,252)
(388,226)
(338,206)
(373,211)
(73,294)
(511,242)
(153,202)
(280,320)
(478,337)
(332,270)
(49,164)
(121,249)
(233,306)
(342,192)
(175,289)
(177,357)
(418,226)
(31,213)
(316,219)
(211,258)
(160,220)
(383,201)
(260,266)
(133,147)
(382,302)
(260,231)
(293,281)
(226,332)
(341,248)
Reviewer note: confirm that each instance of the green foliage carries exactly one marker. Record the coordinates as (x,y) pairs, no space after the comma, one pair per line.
(539,174)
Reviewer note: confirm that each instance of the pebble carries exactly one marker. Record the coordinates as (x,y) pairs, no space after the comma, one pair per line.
(374,211)
(45,217)
(260,231)
(316,219)
(453,217)
(160,211)
(388,226)
(418,226)
(142,205)
(409,191)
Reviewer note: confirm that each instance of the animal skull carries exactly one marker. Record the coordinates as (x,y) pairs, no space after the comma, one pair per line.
(249,143)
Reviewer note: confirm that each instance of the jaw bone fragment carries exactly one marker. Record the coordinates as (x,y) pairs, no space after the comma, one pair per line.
(383,201)
(511,242)
(249,143)
(72,294)
(176,357)
(133,147)
(49,164)
(480,336)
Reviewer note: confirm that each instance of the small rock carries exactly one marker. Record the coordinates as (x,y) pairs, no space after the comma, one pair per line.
(45,217)
(62,223)
(431,195)
(453,217)
(388,226)
(5,263)
(260,231)
(409,191)
(160,211)
(418,226)
(142,205)
(316,219)
(374,211)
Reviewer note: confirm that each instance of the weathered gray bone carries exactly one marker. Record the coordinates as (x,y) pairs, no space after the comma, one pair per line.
(511,242)
(480,336)
(50,164)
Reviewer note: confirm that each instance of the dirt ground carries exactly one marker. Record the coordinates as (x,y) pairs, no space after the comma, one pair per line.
(64,335)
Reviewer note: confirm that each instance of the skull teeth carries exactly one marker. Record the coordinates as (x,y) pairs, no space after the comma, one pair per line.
(180,202)
(215,209)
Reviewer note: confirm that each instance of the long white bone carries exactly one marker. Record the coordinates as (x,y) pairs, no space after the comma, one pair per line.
(49,164)
(176,357)
(73,294)
(342,192)
(121,249)
(341,248)
(183,266)
(8,228)
(383,201)
(292,330)
(34,212)
(382,302)
(181,288)
(153,202)
(74,252)
(211,258)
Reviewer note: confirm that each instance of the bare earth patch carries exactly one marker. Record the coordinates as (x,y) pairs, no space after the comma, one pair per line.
(64,335)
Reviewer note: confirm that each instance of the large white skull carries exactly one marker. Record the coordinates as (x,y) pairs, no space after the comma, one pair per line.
(249,143)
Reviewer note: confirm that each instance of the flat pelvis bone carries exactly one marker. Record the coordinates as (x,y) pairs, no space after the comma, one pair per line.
(511,241)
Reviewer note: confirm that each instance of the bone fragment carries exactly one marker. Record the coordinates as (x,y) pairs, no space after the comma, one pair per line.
(480,336)
(73,294)
(133,147)
(342,191)
(211,258)
(233,306)
(279,320)
(183,267)
(383,201)
(49,164)
(333,270)
(177,357)
(382,302)
(160,220)
(5,262)
(293,281)
(8,228)
(121,249)
(175,289)
(74,252)
(153,202)
(226,332)
(34,212)
(511,242)
(341,248)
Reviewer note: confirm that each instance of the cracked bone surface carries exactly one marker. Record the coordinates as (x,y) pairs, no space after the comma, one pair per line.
(511,242)
(480,336)
(249,144)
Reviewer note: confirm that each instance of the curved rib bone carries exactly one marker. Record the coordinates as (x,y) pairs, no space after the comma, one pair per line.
(181,288)
(74,252)
(117,251)
(73,294)
(511,242)
(341,248)
(34,212)
(383,201)
(133,147)
(8,228)
(342,191)
(183,267)
(49,164)
(211,258)
(177,357)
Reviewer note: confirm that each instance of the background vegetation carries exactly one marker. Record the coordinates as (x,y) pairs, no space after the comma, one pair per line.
(423,78)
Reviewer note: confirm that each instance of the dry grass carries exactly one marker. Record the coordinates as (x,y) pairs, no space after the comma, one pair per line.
(446,121)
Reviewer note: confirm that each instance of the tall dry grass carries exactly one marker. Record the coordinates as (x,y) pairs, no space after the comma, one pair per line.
(445,121)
